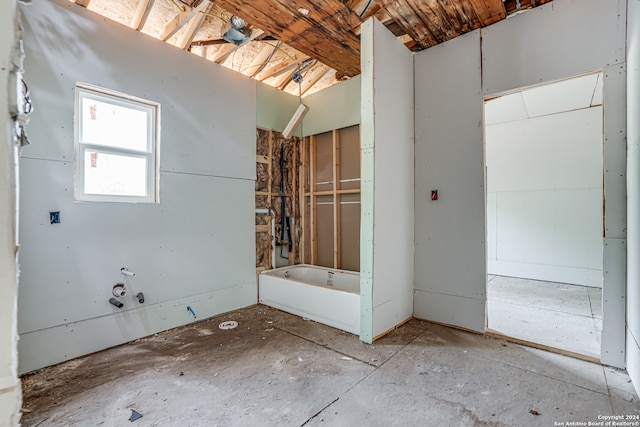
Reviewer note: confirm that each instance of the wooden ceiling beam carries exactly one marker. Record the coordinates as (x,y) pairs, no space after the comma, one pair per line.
(314,77)
(488,11)
(221,50)
(260,60)
(191,29)
(141,14)
(405,17)
(320,29)
(430,22)
(254,35)
(278,69)
(364,8)
(181,19)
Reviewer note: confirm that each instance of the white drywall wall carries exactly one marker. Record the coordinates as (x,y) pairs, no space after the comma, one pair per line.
(544,197)
(387,217)
(450,263)
(568,44)
(633,192)
(195,248)
(335,107)
(274,107)
(9,383)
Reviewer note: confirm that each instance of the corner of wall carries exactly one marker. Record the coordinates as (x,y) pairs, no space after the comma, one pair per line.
(633,192)
(274,107)
(387,176)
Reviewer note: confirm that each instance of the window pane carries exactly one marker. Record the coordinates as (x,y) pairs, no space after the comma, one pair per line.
(113,125)
(114,175)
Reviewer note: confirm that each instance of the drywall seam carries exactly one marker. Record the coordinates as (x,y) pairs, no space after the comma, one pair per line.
(199,239)
(511,61)
(62,341)
(450,259)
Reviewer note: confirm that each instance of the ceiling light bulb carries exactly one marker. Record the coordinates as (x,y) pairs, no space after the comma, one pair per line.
(303,11)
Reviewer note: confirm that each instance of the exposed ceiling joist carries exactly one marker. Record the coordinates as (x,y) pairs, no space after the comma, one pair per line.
(254,35)
(302,32)
(181,19)
(185,39)
(313,77)
(141,14)
(260,61)
(278,69)
(318,28)
(430,22)
(402,13)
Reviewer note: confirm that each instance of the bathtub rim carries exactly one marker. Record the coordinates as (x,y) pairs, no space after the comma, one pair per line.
(320,285)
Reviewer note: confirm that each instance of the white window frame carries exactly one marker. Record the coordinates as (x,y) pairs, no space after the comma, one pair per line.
(87,91)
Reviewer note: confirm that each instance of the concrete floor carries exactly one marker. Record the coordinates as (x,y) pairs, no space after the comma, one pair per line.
(558,315)
(277,369)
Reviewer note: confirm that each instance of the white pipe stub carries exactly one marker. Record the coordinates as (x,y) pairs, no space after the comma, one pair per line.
(119,290)
(230,324)
(126,272)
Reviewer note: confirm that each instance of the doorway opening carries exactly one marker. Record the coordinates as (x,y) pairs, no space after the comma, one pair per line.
(544,173)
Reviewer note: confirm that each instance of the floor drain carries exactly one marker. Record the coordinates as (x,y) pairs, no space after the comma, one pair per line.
(231,324)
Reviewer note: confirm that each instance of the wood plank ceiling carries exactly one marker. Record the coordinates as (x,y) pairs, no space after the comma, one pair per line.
(318,39)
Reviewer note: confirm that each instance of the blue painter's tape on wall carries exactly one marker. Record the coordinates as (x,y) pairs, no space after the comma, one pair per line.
(54,217)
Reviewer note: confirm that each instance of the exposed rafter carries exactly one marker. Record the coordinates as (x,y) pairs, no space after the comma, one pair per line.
(260,60)
(141,14)
(181,19)
(313,77)
(430,22)
(302,32)
(254,35)
(190,30)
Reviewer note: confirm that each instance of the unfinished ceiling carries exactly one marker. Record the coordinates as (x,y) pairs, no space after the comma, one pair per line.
(318,39)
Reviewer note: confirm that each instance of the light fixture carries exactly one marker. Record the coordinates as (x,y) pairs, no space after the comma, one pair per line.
(295,120)
(236,31)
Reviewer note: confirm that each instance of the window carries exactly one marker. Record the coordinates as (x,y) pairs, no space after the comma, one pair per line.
(116,146)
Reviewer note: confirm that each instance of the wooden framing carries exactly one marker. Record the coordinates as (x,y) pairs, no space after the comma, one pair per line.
(308,175)
(266,228)
(301,205)
(185,39)
(332,42)
(141,14)
(302,198)
(336,198)
(293,235)
(330,192)
(181,19)
(229,49)
(270,168)
(313,208)
(313,78)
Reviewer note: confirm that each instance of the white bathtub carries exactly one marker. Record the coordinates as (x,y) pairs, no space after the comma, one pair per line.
(328,296)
